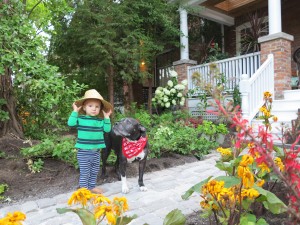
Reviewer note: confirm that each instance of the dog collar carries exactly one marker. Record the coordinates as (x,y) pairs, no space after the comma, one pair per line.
(133,148)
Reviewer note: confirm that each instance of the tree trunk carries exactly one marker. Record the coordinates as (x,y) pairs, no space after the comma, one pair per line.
(111,85)
(150,95)
(126,96)
(130,91)
(13,124)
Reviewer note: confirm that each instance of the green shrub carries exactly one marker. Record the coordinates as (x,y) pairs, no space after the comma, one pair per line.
(3,188)
(62,149)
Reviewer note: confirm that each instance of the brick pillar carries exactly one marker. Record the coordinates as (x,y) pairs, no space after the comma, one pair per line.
(181,67)
(279,45)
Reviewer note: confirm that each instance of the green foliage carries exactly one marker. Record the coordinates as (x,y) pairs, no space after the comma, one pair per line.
(139,113)
(3,114)
(172,137)
(41,92)
(35,166)
(2,155)
(3,188)
(174,217)
(62,149)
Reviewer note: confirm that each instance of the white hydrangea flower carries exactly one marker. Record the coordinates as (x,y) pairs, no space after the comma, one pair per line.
(184,82)
(170,83)
(179,95)
(166,99)
(173,102)
(182,103)
(167,105)
(166,91)
(182,99)
(153,99)
(173,73)
(162,104)
(173,90)
(157,91)
(180,87)
(159,88)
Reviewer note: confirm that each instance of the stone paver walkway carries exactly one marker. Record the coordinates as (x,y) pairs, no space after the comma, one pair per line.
(165,188)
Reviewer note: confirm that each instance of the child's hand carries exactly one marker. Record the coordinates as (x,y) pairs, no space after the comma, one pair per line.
(106,114)
(75,108)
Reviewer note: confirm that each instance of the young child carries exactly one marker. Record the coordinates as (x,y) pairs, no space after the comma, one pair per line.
(91,117)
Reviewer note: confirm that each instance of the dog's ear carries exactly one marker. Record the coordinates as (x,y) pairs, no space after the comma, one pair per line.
(143,130)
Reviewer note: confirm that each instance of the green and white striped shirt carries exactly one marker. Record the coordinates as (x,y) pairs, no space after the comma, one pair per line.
(90,130)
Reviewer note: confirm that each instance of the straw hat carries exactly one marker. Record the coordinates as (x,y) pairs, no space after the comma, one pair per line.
(93,94)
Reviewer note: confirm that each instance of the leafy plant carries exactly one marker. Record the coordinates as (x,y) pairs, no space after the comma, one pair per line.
(3,188)
(62,149)
(3,114)
(35,166)
(228,199)
(96,207)
(2,154)
(258,28)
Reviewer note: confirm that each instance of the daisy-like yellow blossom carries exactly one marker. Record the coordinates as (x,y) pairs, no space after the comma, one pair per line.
(224,151)
(13,218)
(260,182)
(267,113)
(267,94)
(264,167)
(248,179)
(81,196)
(263,109)
(241,170)
(100,199)
(246,160)
(106,210)
(250,193)
(213,187)
(204,204)
(279,163)
(120,205)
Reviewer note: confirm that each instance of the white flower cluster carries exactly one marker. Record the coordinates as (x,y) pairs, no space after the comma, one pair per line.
(171,94)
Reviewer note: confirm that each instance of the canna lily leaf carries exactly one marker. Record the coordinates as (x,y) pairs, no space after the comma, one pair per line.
(87,218)
(175,217)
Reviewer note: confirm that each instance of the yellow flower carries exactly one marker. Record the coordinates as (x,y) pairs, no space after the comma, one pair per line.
(213,187)
(13,218)
(246,160)
(260,183)
(267,94)
(100,199)
(263,109)
(267,113)
(81,196)
(279,163)
(250,193)
(108,211)
(120,205)
(241,170)
(248,179)
(264,167)
(204,204)
(275,118)
(224,151)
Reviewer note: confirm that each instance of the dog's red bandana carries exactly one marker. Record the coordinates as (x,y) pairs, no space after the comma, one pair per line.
(133,148)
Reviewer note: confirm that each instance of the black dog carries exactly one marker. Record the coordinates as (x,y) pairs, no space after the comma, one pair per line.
(128,139)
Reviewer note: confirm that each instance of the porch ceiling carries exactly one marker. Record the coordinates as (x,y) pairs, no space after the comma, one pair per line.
(233,8)
(225,11)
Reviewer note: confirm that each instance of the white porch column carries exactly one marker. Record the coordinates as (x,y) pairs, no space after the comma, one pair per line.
(184,41)
(274,9)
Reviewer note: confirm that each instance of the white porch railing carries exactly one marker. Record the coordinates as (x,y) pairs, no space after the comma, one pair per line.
(252,89)
(232,68)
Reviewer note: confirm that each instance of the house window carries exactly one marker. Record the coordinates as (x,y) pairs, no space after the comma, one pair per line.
(248,33)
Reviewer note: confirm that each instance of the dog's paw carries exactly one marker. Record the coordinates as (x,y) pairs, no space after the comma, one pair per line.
(125,189)
(143,188)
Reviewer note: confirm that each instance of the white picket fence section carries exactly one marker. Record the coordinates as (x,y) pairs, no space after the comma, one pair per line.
(232,68)
(252,88)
